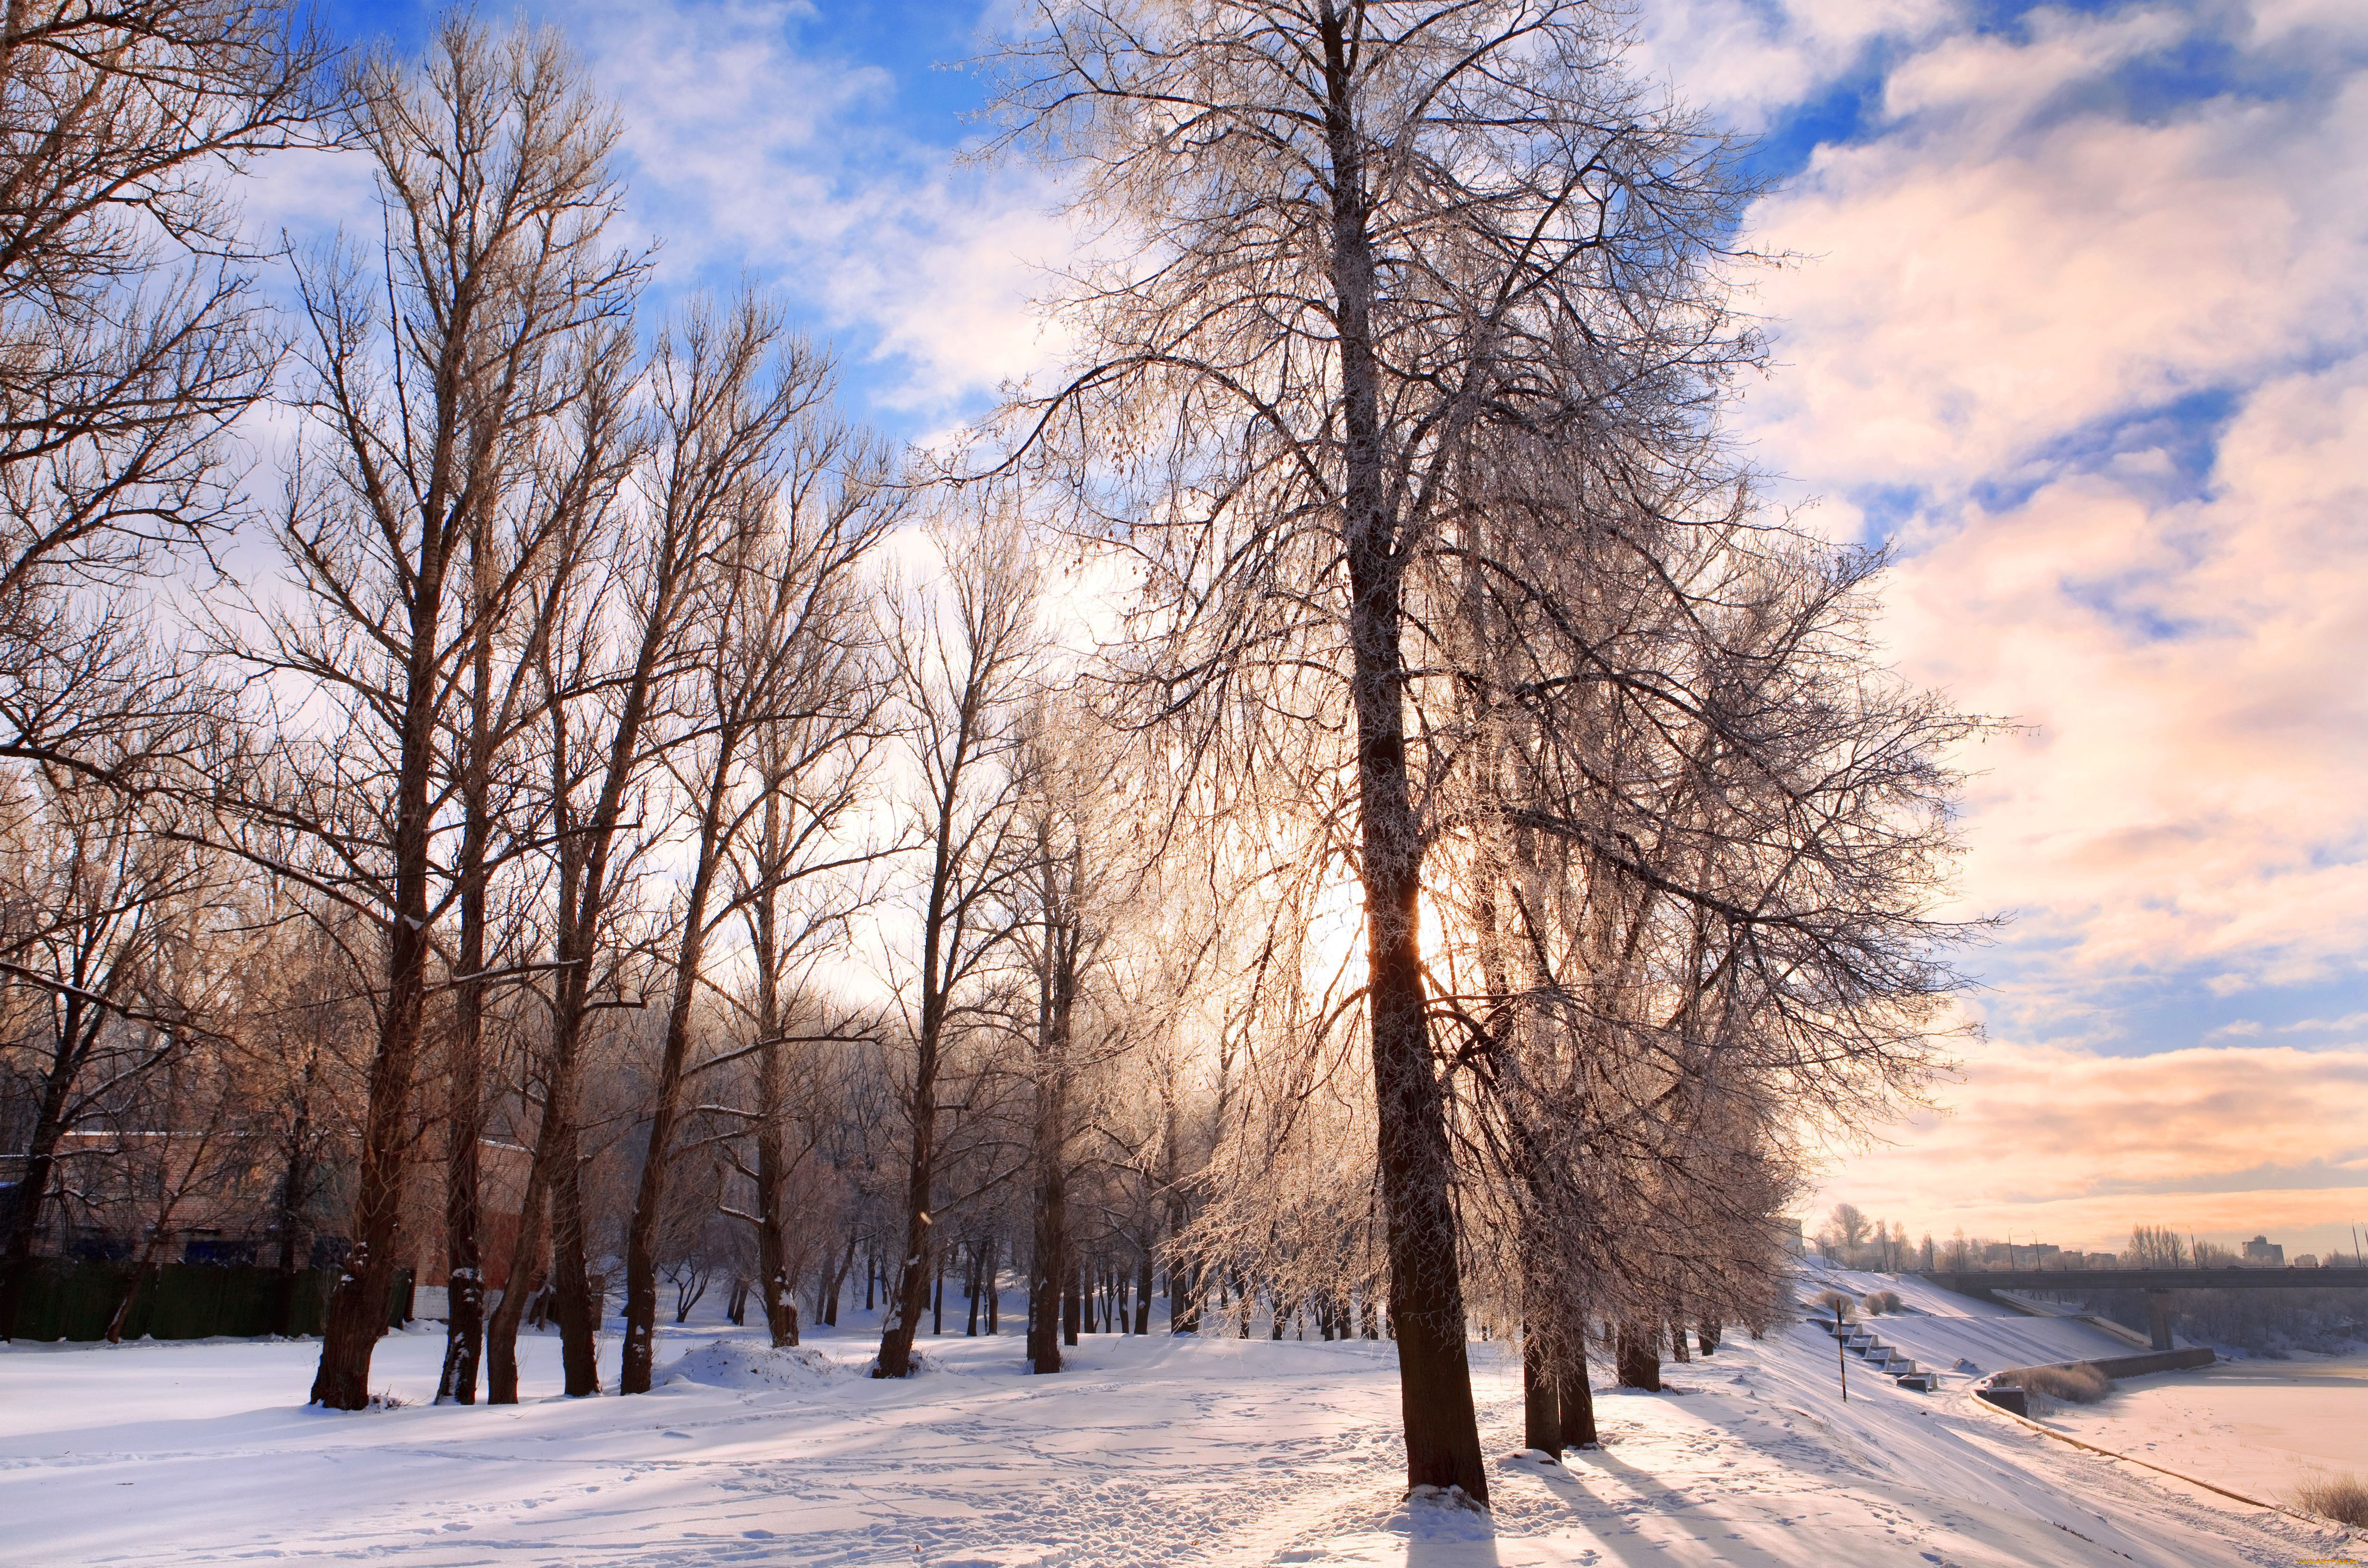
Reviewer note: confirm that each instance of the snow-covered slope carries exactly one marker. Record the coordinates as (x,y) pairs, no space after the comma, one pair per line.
(1151,1452)
(1939,1327)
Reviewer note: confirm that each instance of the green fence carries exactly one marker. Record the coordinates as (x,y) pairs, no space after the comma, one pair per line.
(64,1298)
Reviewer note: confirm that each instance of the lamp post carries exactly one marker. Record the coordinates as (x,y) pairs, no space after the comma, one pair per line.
(1841,1352)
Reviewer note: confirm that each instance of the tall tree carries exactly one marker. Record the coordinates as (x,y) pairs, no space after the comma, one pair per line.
(131,336)
(1363,230)
(812,769)
(426,383)
(99,905)
(964,651)
(777,681)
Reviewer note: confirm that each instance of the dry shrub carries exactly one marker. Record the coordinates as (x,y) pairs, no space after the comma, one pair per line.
(1836,1301)
(1878,1302)
(2343,1498)
(2073,1384)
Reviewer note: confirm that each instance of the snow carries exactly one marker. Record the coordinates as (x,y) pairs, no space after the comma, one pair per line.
(1149,1450)
(746,1363)
(1939,1327)
(2255,1425)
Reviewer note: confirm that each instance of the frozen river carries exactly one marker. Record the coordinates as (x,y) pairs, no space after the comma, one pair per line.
(2252,1426)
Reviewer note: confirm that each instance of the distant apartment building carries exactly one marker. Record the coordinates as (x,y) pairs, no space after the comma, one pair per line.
(2261,1252)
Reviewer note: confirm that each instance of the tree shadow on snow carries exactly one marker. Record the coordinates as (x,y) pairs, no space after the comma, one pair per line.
(1615,1522)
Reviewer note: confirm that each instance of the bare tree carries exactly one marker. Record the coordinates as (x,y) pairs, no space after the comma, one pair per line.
(132,338)
(964,653)
(176,1142)
(781,687)
(99,906)
(1357,233)
(426,384)
(811,770)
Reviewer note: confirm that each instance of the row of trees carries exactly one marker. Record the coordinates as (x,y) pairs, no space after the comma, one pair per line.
(1476,853)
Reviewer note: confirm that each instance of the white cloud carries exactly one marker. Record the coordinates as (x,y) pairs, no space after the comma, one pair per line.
(1749,61)
(2006,284)
(754,155)
(2012,280)
(2187,789)
(1979,290)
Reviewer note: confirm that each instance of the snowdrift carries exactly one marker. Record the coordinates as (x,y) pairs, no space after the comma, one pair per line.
(747,1364)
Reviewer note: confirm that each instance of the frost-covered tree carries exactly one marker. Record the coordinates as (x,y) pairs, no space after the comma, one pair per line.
(1352,235)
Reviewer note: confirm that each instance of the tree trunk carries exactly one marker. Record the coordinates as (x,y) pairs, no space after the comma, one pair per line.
(464,1334)
(657,1165)
(1576,1399)
(912,1281)
(558,1169)
(464,1106)
(1442,1433)
(1049,1268)
(838,1285)
(576,1306)
(357,1315)
(1541,1407)
(772,1108)
(141,1272)
(994,1286)
(1543,1330)
(1640,1359)
(1143,1294)
(780,1291)
(528,1264)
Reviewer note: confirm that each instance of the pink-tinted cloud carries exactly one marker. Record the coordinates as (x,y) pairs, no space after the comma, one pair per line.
(2187,789)
(1982,281)
(2005,295)
(2062,1146)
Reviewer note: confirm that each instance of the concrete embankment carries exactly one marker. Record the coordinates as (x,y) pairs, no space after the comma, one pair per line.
(2015,1400)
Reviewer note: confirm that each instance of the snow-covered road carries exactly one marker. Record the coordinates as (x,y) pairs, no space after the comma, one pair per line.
(1149,1451)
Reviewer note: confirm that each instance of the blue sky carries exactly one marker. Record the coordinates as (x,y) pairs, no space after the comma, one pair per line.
(2079,319)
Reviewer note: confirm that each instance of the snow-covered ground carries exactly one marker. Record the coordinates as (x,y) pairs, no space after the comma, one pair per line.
(2255,1425)
(1940,1327)
(1151,1452)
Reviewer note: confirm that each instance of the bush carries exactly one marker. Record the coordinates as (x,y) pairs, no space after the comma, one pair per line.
(2343,1498)
(2073,1384)
(1835,1301)
(1878,1302)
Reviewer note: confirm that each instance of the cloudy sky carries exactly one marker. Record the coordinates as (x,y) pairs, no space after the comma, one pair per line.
(2078,317)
